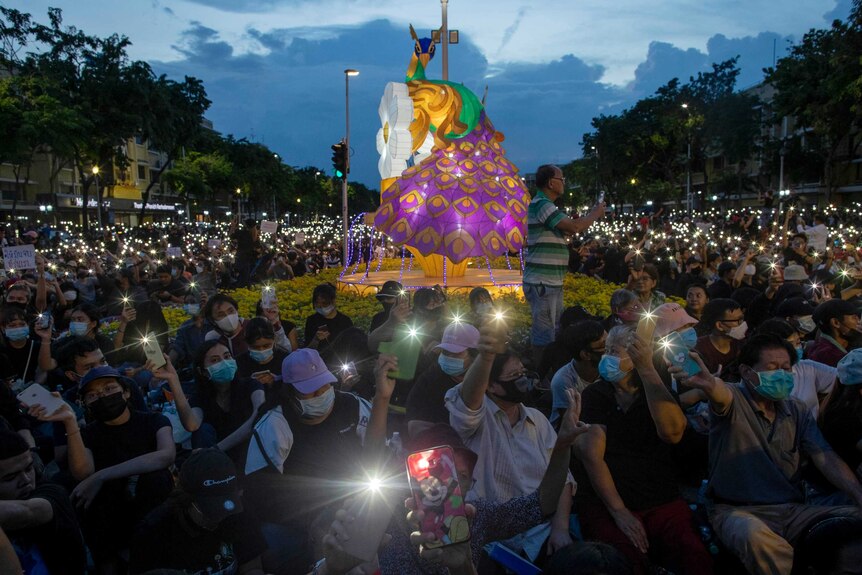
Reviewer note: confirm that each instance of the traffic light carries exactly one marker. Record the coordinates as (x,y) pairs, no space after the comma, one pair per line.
(339,159)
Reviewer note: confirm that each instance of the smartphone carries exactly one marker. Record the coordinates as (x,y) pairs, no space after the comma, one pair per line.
(349,374)
(676,353)
(38,394)
(372,512)
(153,351)
(601,197)
(406,348)
(43,320)
(268,299)
(437,492)
(646,327)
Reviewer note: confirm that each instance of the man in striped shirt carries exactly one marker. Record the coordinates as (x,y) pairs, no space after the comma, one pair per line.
(548,255)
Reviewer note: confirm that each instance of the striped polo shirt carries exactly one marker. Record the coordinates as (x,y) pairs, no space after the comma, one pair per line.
(547,251)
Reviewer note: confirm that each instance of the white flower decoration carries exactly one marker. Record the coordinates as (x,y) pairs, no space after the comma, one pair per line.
(394,142)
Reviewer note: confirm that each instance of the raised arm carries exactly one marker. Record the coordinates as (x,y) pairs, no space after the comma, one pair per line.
(573,226)
(243,432)
(717,392)
(477,378)
(669,419)
(375,435)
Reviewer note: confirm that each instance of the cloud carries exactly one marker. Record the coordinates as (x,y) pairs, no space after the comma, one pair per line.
(509,32)
(840,12)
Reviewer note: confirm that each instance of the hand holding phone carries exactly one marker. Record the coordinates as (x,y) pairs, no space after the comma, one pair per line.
(38,395)
(153,351)
(437,493)
(676,353)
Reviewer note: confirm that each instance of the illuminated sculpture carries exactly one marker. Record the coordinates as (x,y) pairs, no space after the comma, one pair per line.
(461,197)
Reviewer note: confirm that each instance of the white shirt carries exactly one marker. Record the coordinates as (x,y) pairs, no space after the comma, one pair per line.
(817,236)
(512,459)
(810,379)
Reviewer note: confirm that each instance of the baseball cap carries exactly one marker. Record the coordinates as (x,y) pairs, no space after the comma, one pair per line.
(390,289)
(210,477)
(850,368)
(31,234)
(102,372)
(795,272)
(305,371)
(459,336)
(833,308)
(794,306)
(442,434)
(670,317)
(694,259)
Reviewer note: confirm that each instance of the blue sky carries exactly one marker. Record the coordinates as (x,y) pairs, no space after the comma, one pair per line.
(274,68)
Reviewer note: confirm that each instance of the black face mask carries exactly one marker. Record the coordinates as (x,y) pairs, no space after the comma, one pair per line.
(518,390)
(108,408)
(695,271)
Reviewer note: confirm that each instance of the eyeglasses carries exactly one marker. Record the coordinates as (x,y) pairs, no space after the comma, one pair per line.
(733,321)
(561,179)
(92,396)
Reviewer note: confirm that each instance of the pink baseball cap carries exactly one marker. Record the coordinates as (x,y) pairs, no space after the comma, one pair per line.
(459,336)
(304,370)
(670,317)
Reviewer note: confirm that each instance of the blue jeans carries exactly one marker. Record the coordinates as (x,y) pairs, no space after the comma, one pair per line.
(546,305)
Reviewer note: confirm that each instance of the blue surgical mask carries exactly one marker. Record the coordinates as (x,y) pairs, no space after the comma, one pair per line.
(776,384)
(609,369)
(223,371)
(325,311)
(17,333)
(689,337)
(79,327)
(261,355)
(453,366)
(317,406)
(799,352)
(192,308)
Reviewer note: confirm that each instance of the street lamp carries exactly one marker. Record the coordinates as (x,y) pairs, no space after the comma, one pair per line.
(238,204)
(688,165)
(347,74)
(98,200)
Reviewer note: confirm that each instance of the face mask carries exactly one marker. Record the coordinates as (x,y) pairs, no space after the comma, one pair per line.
(609,369)
(325,311)
(174,273)
(484,308)
(805,324)
(261,355)
(223,371)
(17,333)
(776,384)
(695,271)
(799,351)
(108,408)
(518,390)
(70,295)
(192,308)
(199,269)
(16,304)
(79,328)
(228,323)
(689,337)
(453,366)
(317,406)
(738,333)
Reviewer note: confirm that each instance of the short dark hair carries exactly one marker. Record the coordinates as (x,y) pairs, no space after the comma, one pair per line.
(499,361)
(324,291)
(651,271)
(715,309)
(776,326)
(217,299)
(258,328)
(10,313)
(163,269)
(73,347)
(11,444)
(90,311)
(756,345)
(578,336)
(544,175)
(478,292)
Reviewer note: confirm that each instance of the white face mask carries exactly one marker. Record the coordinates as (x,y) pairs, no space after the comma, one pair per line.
(738,333)
(318,406)
(70,295)
(228,323)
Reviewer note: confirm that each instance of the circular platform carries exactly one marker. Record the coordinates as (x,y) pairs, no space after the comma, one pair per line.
(502,281)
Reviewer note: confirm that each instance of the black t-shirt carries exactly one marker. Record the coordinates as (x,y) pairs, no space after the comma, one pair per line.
(167,539)
(323,458)
(378,320)
(245,366)
(175,288)
(640,463)
(58,542)
(114,444)
(335,325)
(21,363)
(426,398)
(791,257)
(720,289)
(226,422)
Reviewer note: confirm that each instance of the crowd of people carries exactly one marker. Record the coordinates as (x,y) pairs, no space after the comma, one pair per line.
(710,423)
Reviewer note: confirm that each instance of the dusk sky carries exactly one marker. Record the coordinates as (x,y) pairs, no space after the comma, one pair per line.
(274,68)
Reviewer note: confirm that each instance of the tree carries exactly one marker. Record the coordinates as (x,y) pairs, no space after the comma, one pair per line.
(200,176)
(817,83)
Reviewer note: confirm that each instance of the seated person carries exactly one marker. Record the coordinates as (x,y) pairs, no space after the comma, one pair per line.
(224,407)
(425,402)
(387,296)
(285,333)
(202,518)
(37,515)
(167,288)
(190,335)
(327,323)
(481,304)
(629,496)
(262,361)
(585,344)
(122,461)
(626,308)
(758,440)
(84,322)
(841,419)
(723,322)
(20,350)
(221,312)
(838,322)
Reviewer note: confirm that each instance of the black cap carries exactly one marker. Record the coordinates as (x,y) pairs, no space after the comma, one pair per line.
(210,476)
(725,267)
(794,306)
(390,289)
(833,309)
(695,259)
